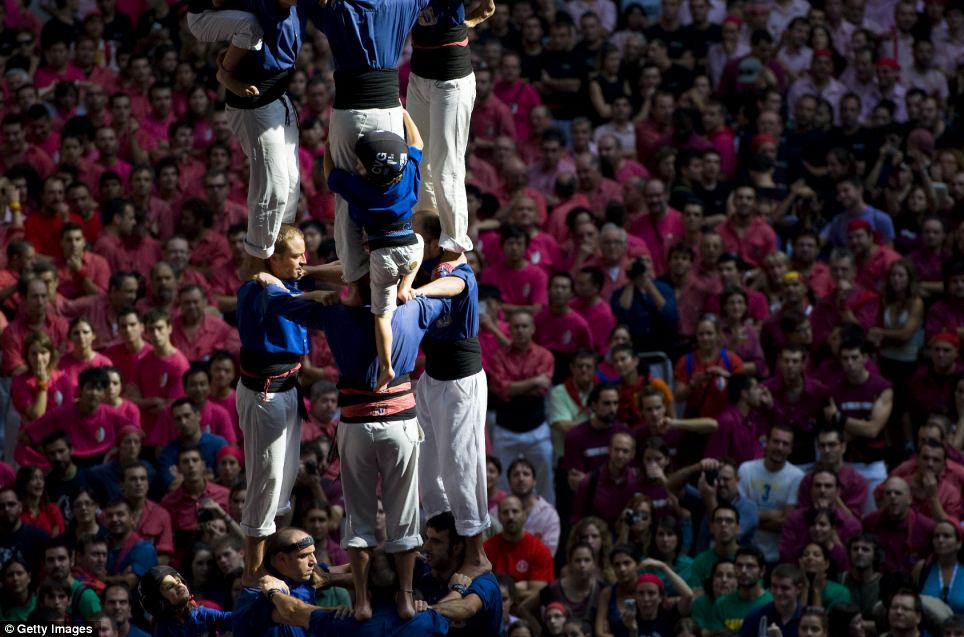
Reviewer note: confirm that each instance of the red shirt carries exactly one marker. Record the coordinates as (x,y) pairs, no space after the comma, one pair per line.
(710,398)
(127,362)
(47,519)
(599,317)
(491,118)
(36,159)
(154,524)
(903,542)
(740,437)
(129,256)
(11,341)
(610,498)
(527,560)
(510,365)
(72,366)
(95,268)
(526,286)
(754,244)
(91,435)
(562,333)
(659,235)
(864,303)
(872,272)
(212,334)
(43,231)
(184,508)
(211,251)
(159,377)
(607,190)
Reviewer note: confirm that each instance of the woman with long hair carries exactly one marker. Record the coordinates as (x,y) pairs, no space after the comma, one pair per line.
(594,532)
(668,548)
(823,590)
(722,580)
(606,85)
(900,336)
(612,599)
(578,589)
(605,372)
(635,526)
(84,508)
(740,334)
(36,391)
(16,599)
(940,574)
(38,510)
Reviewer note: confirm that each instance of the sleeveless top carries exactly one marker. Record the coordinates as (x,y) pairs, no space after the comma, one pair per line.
(951,593)
(906,353)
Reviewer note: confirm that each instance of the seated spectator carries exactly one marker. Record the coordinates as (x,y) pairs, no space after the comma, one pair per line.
(81,272)
(129,555)
(786,583)
(702,375)
(542,520)
(83,601)
(82,355)
(935,575)
(182,502)
(605,491)
(518,553)
(17,600)
(823,591)
(863,577)
(19,541)
(824,495)
(38,510)
(772,483)
(186,417)
(904,533)
(34,315)
(84,509)
(93,426)
(743,427)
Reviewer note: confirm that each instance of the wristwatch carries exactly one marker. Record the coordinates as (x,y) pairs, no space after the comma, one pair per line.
(461,589)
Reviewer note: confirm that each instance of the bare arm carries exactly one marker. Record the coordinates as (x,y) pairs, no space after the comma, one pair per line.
(412,136)
(445,288)
(460,609)
(480,14)
(291,611)
(878,417)
(601,625)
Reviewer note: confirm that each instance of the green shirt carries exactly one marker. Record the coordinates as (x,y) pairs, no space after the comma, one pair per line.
(681,568)
(833,594)
(702,612)
(729,610)
(332,596)
(18,613)
(88,604)
(703,565)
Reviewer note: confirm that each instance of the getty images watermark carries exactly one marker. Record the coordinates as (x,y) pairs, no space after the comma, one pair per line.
(18,628)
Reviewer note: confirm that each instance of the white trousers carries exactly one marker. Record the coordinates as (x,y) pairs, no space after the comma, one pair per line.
(240,27)
(386,450)
(874,473)
(535,446)
(269,138)
(451,465)
(442,110)
(272,450)
(344,129)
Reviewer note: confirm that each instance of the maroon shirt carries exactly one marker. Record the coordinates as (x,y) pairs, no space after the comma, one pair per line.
(903,543)
(587,448)
(932,392)
(802,414)
(610,497)
(857,401)
(740,437)
(852,487)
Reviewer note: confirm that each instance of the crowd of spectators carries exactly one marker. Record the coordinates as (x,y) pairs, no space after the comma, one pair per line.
(721,255)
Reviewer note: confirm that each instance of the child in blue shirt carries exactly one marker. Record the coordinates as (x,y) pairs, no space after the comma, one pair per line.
(381,194)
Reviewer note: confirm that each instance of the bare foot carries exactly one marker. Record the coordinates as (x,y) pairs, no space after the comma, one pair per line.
(363,610)
(235,85)
(384,379)
(250,266)
(353,299)
(404,604)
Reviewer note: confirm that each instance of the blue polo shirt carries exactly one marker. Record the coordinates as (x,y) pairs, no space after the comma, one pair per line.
(487,622)
(252,612)
(202,621)
(751,624)
(261,326)
(208,446)
(462,320)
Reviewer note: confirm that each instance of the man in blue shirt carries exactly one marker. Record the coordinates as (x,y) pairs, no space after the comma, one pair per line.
(786,583)
(474,606)
(291,559)
(268,397)
(129,556)
(385,621)
(378,435)
(850,194)
(451,399)
(187,422)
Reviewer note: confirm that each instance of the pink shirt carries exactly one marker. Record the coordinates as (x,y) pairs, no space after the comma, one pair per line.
(159,377)
(127,362)
(212,334)
(521,98)
(214,420)
(608,190)
(659,235)
(557,220)
(183,508)
(492,118)
(45,76)
(543,251)
(757,242)
(23,392)
(91,435)
(211,251)
(11,341)
(72,366)
(599,317)
(127,256)
(154,524)
(229,404)
(562,333)
(71,283)
(872,272)
(525,286)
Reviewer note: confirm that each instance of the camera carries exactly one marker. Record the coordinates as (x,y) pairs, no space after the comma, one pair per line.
(206,515)
(634,517)
(636,269)
(311,468)
(711,476)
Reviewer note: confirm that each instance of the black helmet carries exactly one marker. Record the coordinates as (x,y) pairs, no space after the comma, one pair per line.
(149,590)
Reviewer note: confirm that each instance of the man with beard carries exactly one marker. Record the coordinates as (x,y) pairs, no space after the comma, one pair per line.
(18,541)
(129,556)
(475,603)
(587,444)
(729,610)
(863,577)
(519,554)
(83,599)
(542,519)
(65,478)
(166,597)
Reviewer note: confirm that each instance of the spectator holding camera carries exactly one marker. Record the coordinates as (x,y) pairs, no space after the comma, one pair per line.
(647,306)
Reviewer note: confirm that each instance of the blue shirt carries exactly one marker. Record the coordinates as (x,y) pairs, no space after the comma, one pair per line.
(252,612)
(487,622)
(260,324)
(462,319)
(351,332)
(373,207)
(202,621)
(208,446)
(109,477)
(283,30)
(836,231)
(385,622)
(751,624)
(141,558)
(366,34)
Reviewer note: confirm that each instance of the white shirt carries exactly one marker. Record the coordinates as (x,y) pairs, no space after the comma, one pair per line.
(770,492)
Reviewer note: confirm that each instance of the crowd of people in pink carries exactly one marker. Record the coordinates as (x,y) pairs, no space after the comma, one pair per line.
(719,253)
